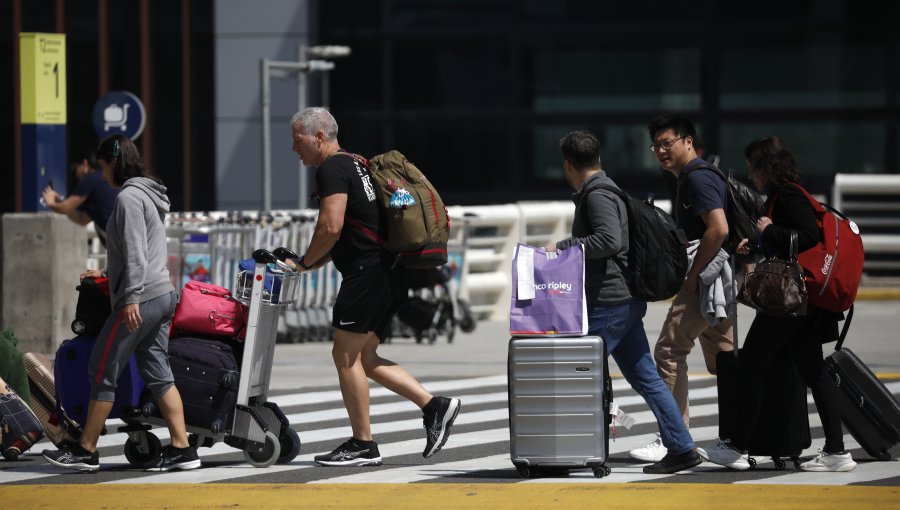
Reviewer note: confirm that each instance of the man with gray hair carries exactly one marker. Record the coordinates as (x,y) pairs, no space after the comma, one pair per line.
(371,290)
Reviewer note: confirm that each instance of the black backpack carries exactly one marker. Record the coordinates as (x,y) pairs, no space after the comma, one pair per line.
(657,258)
(745,206)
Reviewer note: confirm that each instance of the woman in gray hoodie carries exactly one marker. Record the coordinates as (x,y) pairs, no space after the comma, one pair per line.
(143,301)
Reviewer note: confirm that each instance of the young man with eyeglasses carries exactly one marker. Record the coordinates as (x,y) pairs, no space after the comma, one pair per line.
(699,210)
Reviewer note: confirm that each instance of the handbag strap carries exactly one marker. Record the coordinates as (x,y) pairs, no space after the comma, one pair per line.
(794,247)
(844,329)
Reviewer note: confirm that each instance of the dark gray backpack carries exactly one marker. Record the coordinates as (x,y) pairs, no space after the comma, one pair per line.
(657,258)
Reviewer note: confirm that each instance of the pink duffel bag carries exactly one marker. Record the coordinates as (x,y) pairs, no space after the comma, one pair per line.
(209,310)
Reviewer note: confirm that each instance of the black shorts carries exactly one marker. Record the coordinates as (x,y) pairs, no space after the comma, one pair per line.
(368,299)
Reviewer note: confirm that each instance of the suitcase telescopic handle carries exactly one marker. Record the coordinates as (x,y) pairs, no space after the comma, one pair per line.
(844,329)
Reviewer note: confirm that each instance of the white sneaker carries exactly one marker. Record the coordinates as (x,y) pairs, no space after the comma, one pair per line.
(726,455)
(653,452)
(830,462)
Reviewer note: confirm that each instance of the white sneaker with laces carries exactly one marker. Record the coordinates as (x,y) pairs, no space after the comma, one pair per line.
(653,452)
(726,455)
(838,462)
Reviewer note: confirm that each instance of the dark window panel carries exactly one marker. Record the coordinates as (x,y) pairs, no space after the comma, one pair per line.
(38,16)
(423,14)
(798,77)
(580,12)
(356,81)
(124,32)
(822,148)
(203,150)
(7,124)
(451,75)
(611,80)
(350,15)
(167,106)
(457,165)
(82,69)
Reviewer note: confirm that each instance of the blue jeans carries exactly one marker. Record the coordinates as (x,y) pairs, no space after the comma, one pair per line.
(622,329)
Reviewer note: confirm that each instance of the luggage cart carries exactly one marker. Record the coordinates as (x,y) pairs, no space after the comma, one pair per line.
(260,429)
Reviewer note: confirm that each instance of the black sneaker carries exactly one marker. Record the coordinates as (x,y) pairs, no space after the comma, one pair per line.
(673,463)
(351,453)
(438,417)
(175,458)
(73,456)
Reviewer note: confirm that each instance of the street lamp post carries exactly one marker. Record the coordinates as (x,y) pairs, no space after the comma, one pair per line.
(326,53)
(301,68)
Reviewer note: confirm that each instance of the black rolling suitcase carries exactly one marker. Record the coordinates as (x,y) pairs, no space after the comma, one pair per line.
(207,377)
(783,428)
(869,411)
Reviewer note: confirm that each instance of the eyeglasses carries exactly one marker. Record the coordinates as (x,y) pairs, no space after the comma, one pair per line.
(664,145)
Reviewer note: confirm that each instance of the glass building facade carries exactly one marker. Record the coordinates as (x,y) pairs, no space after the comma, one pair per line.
(478,92)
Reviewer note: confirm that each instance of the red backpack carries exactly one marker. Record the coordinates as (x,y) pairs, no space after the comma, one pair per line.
(833,268)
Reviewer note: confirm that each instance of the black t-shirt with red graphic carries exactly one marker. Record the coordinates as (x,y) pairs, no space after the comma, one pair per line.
(356,249)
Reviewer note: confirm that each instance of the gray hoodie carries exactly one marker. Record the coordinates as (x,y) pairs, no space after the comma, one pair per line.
(136,243)
(604,237)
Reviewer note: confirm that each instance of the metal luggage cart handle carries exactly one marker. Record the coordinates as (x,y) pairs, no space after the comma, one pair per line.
(281,286)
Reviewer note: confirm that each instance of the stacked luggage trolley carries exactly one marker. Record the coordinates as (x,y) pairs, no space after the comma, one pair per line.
(257,427)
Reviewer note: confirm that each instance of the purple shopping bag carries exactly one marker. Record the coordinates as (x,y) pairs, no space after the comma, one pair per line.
(548,292)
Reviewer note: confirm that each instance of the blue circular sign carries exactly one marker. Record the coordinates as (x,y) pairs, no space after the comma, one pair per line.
(119,113)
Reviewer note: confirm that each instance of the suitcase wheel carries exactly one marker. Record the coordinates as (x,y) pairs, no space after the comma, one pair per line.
(290,445)
(266,455)
(141,448)
(779,463)
(149,409)
(11,453)
(524,471)
(79,326)
(601,471)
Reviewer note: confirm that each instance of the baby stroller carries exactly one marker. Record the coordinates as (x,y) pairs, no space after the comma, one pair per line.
(433,308)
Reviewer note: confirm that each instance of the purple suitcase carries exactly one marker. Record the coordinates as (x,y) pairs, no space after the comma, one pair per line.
(73,389)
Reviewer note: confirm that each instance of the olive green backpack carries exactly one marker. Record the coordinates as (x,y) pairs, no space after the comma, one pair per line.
(418,226)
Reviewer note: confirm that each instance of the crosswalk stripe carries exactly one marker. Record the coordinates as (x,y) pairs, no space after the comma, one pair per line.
(470,441)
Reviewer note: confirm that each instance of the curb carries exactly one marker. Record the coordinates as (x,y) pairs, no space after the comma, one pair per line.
(876,294)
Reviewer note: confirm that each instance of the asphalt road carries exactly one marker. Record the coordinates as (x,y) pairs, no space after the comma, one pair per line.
(473,367)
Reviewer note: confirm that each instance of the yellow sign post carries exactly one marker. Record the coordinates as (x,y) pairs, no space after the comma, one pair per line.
(42,79)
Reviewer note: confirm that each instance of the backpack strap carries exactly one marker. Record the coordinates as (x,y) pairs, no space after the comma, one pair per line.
(712,168)
(362,161)
(617,258)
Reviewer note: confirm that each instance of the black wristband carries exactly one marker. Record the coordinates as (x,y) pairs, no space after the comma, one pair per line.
(301,262)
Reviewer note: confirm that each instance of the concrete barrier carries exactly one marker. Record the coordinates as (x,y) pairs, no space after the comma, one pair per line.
(873,202)
(43,255)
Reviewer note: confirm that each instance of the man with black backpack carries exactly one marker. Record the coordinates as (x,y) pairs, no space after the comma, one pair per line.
(601,225)
(347,231)
(699,209)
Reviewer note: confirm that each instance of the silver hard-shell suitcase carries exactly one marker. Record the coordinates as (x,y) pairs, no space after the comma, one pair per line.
(559,396)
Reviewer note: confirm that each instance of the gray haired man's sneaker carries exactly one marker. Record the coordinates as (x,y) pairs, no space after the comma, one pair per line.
(438,417)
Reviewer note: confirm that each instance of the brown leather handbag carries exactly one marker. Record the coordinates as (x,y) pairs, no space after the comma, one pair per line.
(776,287)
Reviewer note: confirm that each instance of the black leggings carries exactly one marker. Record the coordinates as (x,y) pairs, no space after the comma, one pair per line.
(796,336)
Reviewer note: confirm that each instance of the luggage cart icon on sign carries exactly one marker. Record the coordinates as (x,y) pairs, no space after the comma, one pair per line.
(115,116)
